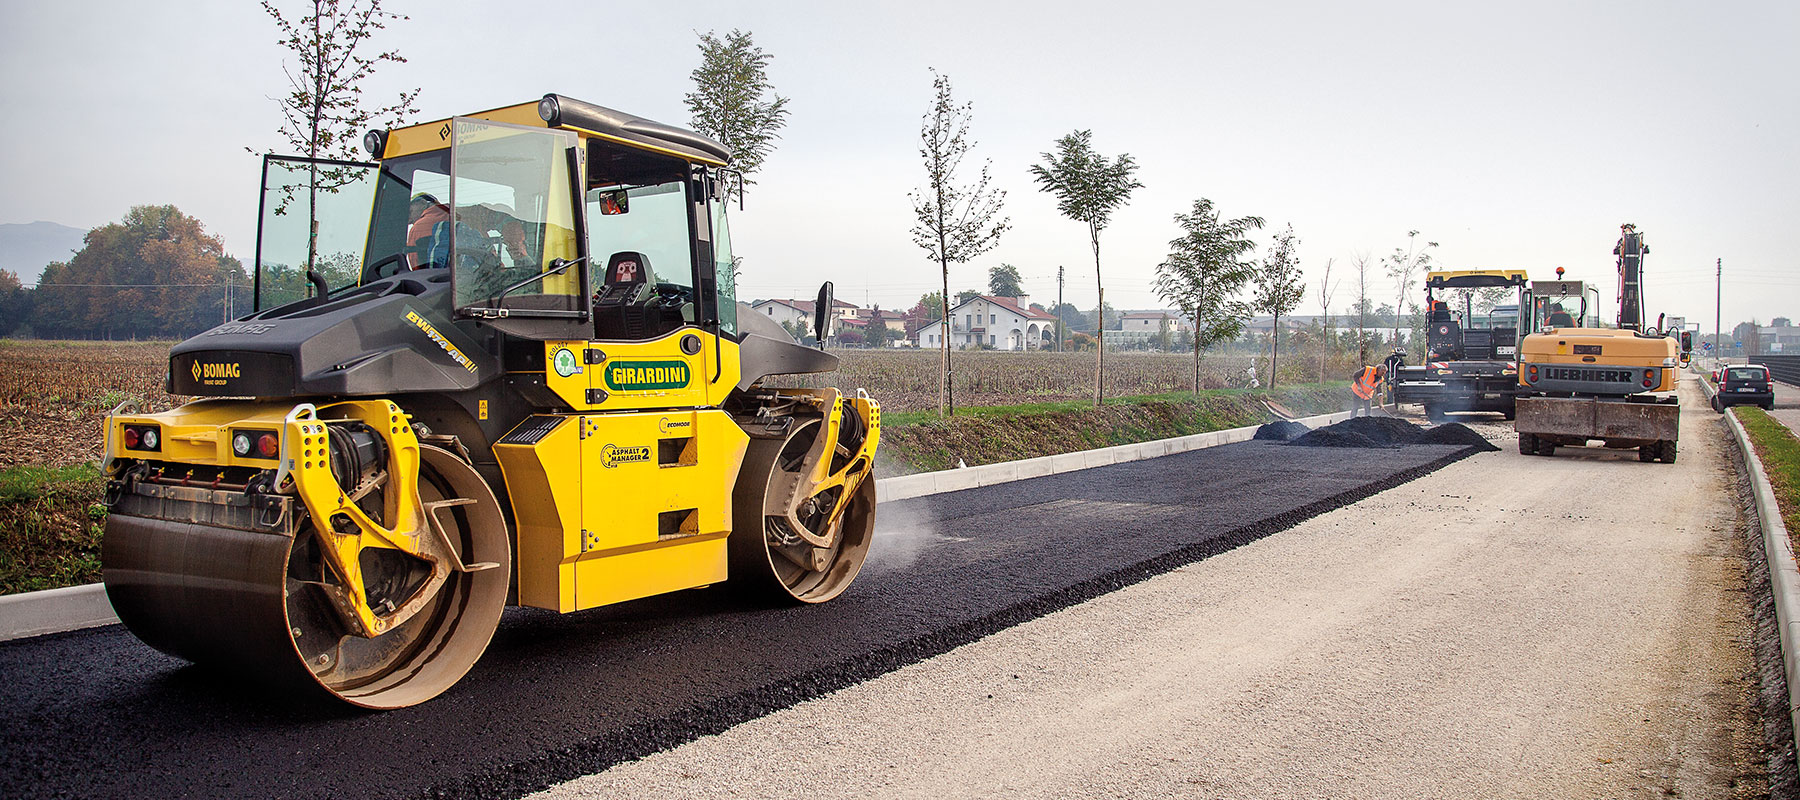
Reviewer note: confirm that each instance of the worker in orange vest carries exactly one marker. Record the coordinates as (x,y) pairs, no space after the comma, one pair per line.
(1363,384)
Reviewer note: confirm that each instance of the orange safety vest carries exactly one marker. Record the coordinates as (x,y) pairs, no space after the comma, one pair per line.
(1364,385)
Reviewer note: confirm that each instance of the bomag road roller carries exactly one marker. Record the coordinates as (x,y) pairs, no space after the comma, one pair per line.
(1580,382)
(501,363)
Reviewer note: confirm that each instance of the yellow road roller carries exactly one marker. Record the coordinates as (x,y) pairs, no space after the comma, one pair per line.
(502,362)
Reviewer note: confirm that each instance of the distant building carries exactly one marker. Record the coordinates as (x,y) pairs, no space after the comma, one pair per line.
(800,312)
(1152,321)
(1002,323)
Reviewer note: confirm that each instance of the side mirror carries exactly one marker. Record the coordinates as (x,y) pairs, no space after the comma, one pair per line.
(822,314)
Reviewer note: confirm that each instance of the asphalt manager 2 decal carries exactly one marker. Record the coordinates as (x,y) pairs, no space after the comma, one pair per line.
(613,455)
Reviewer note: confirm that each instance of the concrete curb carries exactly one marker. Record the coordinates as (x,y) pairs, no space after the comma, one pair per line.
(1784,572)
(77,607)
(54,611)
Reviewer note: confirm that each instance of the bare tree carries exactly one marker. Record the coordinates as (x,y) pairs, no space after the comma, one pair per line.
(1361,263)
(1205,271)
(323,114)
(956,222)
(1088,189)
(1403,268)
(734,102)
(1280,286)
(1326,290)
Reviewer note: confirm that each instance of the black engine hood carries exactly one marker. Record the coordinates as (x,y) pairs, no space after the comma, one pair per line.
(389,336)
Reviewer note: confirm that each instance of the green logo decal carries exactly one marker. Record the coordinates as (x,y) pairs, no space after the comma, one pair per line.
(630,376)
(565,363)
(613,455)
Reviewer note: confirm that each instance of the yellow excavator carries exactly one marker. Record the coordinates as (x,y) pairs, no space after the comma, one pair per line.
(1579,382)
(502,362)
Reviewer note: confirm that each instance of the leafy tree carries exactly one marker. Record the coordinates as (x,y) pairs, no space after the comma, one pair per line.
(1403,268)
(15,302)
(956,221)
(1110,320)
(1206,270)
(1003,281)
(323,112)
(1072,317)
(1279,288)
(1088,187)
(965,296)
(733,101)
(156,273)
(932,303)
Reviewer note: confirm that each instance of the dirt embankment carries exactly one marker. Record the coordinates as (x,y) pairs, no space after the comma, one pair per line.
(986,438)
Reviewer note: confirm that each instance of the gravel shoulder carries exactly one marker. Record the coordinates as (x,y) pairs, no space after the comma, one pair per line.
(1507,626)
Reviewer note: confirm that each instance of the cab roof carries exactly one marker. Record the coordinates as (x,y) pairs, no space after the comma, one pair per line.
(1475,278)
(566,113)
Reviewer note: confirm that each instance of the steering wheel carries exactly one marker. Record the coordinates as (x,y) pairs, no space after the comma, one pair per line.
(672,294)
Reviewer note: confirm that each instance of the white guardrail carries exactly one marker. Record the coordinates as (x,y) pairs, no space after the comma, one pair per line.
(76,607)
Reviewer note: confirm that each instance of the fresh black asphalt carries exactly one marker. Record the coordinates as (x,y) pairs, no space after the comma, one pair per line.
(96,714)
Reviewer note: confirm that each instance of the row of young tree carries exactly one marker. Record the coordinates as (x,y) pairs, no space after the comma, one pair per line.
(1210,275)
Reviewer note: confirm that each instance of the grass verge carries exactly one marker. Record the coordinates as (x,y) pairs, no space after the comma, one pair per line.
(921,441)
(50,523)
(1780,454)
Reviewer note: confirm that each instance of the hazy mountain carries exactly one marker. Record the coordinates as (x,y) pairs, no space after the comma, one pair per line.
(26,247)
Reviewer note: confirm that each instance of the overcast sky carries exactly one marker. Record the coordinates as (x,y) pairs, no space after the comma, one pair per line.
(1515,135)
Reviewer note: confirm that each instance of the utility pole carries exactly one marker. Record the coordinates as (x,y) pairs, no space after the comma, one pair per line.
(1059,307)
(1718,309)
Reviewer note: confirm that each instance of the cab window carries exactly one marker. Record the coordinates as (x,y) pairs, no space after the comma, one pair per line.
(644,270)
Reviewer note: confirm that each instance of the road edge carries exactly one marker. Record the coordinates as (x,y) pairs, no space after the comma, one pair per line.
(1784,571)
(73,608)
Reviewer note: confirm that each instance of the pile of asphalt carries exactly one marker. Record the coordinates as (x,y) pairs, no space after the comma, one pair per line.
(1281,430)
(1388,432)
(1458,434)
(97,714)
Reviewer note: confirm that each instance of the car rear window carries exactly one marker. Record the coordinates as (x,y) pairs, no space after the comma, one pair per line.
(1746,374)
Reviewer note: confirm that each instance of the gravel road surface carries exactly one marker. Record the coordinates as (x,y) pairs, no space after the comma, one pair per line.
(97,714)
(1509,626)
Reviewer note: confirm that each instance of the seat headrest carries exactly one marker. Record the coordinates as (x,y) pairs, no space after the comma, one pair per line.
(627,266)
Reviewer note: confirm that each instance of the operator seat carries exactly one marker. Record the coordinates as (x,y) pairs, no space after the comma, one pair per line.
(619,311)
(1443,336)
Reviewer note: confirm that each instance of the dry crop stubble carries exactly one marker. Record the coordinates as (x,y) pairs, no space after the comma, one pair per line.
(53,395)
(907,379)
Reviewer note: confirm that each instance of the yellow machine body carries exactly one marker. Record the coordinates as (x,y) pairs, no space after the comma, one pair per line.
(538,388)
(1597,361)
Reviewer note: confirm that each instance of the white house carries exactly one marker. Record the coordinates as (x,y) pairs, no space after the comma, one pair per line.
(800,312)
(1003,323)
(1152,321)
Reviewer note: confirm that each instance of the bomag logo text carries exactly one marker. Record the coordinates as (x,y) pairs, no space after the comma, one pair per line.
(627,376)
(216,373)
(613,455)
